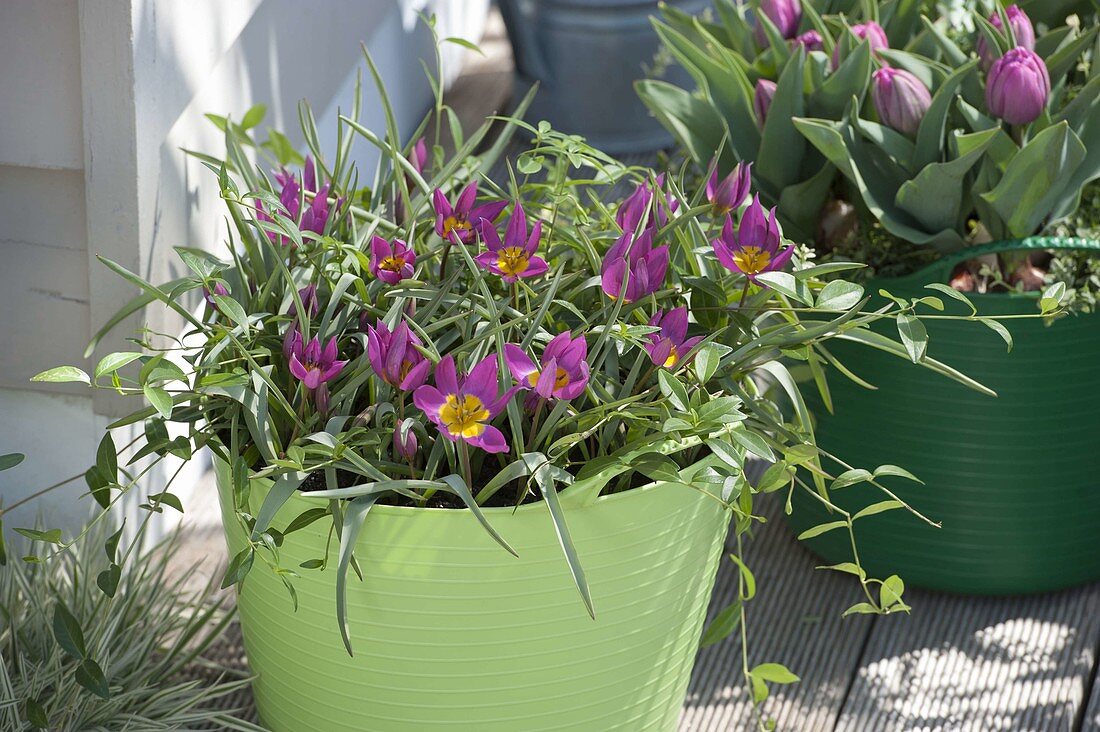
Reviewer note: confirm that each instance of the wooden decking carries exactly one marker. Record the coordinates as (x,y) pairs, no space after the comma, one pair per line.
(1024,664)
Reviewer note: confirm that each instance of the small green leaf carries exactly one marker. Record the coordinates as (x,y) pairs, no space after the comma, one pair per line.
(861,608)
(913,336)
(891,590)
(232,309)
(656,466)
(160,399)
(752,442)
(469,45)
(821,529)
(112,362)
(953,293)
(776,673)
(90,676)
(724,452)
(851,477)
(108,580)
(998,328)
(846,567)
(896,471)
(722,626)
(67,632)
(878,508)
(238,567)
(36,715)
(51,536)
(254,116)
(839,295)
(62,374)
(747,578)
(312,564)
(106,459)
(10,460)
(673,389)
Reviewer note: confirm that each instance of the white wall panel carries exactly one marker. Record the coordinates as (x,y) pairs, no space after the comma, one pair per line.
(40,118)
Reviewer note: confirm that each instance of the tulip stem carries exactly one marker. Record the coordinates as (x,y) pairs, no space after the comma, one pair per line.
(744,294)
(464,460)
(443,260)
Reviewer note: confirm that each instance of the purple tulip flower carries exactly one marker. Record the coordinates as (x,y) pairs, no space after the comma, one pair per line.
(637,263)
(564,372)
(900,98)
(463,407)
(458,223)
(515,256)
(406,446)
(784,14)
(313,365)
(308,295)
(754,247)
(1017,87)
(219,289)
(631,210)
(810,40)
(292,342)
(762,99)
(419,155)
(1022,30)
(314,217)
(871,32)
(667,347)
(394,356)
(391,263)
(729,193)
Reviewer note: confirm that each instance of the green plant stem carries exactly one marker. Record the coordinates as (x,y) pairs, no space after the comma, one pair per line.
(464,461)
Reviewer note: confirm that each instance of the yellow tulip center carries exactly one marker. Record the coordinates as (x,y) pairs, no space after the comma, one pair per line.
(752,260)
(392,264)
(453,223)
(463,415)
(561,378)
(673,357)
(512,261)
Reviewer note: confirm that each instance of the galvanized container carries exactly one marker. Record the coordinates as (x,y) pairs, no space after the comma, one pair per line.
(452,632)
(586,56)
(1015,480)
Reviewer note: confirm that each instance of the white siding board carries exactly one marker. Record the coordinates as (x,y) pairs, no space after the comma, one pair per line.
(44,311)
(40,110)
(43,207)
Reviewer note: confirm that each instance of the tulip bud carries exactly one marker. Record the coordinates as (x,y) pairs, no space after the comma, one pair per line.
(900,99)
(1022,31)
(729,193)
(406,447)
(762,99)
(1017,87)
(784,14)
(871,32)
(810,40)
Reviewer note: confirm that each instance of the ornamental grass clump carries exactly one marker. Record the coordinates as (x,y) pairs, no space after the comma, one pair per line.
(447,338)
(933,131)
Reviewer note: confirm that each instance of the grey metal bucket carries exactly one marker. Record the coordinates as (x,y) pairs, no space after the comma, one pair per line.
(586,55)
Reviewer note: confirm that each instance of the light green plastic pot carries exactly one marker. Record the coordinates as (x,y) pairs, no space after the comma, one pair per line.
(1014,479)
(450,632)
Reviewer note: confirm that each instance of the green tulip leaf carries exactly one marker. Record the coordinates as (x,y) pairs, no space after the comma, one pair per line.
(1035,179)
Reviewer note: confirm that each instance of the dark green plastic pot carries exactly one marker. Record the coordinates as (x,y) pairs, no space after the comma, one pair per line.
(1015,480)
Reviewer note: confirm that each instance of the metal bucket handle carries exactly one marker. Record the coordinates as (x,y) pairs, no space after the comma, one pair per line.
(940,270)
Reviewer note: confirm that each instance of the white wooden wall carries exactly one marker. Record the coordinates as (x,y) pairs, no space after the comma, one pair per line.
(97,98)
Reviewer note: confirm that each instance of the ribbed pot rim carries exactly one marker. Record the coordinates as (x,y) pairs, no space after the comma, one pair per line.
(638,493)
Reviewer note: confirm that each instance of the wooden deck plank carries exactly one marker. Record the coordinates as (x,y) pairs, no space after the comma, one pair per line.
(982,664)
(794,620)
(1090,720)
